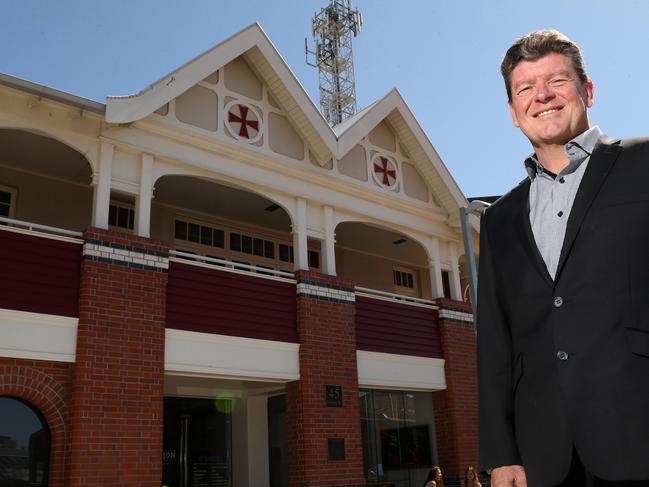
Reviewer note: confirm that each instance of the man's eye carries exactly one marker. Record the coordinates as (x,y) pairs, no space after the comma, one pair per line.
(523,90)
(558,81)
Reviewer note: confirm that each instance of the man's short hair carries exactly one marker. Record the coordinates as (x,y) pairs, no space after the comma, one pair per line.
(537,44)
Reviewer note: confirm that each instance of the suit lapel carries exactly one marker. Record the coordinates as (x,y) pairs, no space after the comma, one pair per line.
(521,203)
(602,159)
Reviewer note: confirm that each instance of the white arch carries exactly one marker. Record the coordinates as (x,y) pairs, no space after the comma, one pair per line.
(88,149)
(288,204)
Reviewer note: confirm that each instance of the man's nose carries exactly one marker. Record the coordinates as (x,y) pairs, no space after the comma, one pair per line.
(544,92)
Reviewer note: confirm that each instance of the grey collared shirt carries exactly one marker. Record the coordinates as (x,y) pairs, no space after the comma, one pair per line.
(552,196)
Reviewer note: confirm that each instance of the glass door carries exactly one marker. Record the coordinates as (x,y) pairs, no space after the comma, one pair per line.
(197,445)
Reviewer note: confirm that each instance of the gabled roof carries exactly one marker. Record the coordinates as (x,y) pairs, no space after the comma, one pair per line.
(323,140)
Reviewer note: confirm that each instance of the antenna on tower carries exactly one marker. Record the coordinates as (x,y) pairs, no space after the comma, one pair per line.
(332,30)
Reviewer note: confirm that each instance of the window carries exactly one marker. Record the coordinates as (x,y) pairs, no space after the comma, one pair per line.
(202,234)
(404,281)
(398,436)
(7,201)
(314,259)
(446,284)
(252,245)
(25,443)
(286,253)
(121,215)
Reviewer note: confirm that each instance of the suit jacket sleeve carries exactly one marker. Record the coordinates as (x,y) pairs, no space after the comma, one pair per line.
(496,399)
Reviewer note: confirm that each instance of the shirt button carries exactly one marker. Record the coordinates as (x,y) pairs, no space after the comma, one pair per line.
(562,180)
(558,302)
(561,355)
(560,214)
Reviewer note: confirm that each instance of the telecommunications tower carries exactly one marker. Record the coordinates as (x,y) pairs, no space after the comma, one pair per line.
(332,30)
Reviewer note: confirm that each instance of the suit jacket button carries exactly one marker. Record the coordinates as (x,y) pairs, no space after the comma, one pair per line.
(561,355)
(558,302)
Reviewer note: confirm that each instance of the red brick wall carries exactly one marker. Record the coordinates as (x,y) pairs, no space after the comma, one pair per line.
(327,357)
(46,385)
(117,395)
(456,408)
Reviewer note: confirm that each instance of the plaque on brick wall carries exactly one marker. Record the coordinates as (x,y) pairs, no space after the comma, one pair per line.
(336,448)
(334,396)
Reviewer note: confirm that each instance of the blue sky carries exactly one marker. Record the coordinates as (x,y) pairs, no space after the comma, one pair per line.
(442,55)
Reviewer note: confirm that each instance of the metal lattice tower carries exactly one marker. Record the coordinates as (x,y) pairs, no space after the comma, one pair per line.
(333,28)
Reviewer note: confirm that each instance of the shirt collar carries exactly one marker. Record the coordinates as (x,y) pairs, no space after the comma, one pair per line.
(578,150)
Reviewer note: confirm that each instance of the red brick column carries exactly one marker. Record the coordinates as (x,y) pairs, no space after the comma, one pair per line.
(325,321)
(117,392)
(456,408)
(46,385)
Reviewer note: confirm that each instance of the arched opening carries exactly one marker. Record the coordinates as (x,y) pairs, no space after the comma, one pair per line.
(24,444)
(44,181)
(208,218)
(379,258)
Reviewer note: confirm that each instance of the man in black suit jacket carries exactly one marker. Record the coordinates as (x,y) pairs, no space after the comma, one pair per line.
(563,301)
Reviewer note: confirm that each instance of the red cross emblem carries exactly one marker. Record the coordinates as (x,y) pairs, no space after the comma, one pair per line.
(243,121)
(385,172)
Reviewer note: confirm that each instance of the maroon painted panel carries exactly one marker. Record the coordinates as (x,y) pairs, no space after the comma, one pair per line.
(229,303)
(383,326)
(39,274)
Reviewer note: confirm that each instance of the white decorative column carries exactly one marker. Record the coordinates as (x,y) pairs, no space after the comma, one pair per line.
(435,269)
(300,249)
(328,249)
(144,197)
(456,286)
(101,181)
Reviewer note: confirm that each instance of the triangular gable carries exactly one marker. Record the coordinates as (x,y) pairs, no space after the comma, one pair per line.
(264,58)
(323,140)
(393,109)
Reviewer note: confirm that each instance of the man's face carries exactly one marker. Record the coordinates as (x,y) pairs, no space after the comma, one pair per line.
(549,101)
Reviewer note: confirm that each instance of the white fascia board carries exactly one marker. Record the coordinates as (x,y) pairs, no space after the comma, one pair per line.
(300,95)
(129,108)
(211,355)
(404,372)
(37,336)
(126,109)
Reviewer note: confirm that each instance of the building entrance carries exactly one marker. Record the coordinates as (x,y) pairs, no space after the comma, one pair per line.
(197,447)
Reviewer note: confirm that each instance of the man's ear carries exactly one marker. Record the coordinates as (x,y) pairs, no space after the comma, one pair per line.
(589,88)
(513,114)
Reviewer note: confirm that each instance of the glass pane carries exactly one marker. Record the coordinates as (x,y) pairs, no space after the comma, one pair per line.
(193,232)
(112,215)
(235,242)
(397,278)
(314,259)
(122,217)
(283,253)
(197,443)
(181,230)
(246,244)
(258,246)
(410,280)
(206,235)
(131,219)
(398,436)
(219,238)
(5,197)
(269,249)
(4,209)
(24,443)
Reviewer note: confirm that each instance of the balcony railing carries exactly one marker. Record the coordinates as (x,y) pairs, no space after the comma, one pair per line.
(396,324)
(228,264)
(36,227)
(399,298)
(212,295)
(40,268)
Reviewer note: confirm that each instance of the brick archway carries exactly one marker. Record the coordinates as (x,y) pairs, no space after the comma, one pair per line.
(36,382)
